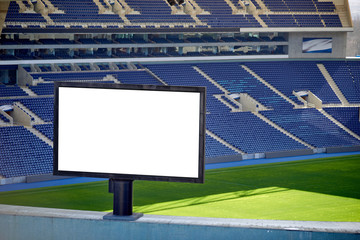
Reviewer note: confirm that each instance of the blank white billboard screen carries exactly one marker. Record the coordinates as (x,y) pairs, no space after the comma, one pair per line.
(121,131)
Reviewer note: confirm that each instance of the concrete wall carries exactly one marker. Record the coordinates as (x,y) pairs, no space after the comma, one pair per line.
(4,5)
(338,44)
(20,117)
(293,153)
(43,223)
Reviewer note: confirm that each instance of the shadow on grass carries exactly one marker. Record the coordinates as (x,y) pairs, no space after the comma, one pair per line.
(188,202)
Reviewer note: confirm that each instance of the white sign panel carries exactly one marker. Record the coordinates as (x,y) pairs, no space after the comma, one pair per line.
(317,45)
(128,132)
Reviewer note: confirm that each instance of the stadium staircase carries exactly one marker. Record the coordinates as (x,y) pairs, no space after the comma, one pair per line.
(331,118)
(282,130)
(333,85)
(270,86)
(259,19)
(220,140)
(28,91)
(262,5)
(156,77)
(102,9)
(226,92)
(234,9)
(128,9)
(111,78)
(40,135)
(51,8)
(195,8)
(2,123)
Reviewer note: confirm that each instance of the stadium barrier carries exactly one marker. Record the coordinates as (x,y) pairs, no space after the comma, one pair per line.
(289,153)
(342,149)
(222,159)
(44,177)
(18,222)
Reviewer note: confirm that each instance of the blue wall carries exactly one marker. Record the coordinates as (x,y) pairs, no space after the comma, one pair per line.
(39,223)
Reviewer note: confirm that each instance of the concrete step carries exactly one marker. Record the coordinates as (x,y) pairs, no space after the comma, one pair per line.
(262,23)
(28,91)
(102,9)
(234,9)
(331,118)
(155,76)
(111,78)
(220,140)
(52,8)
(274,125)
(332,84)
(262,5)
(270,86)
(211,80)
(40,135)
(3,124)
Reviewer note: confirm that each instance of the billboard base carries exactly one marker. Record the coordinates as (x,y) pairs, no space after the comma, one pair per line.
(132,217)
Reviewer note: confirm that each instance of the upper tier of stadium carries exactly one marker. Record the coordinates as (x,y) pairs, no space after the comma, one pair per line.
(193,16)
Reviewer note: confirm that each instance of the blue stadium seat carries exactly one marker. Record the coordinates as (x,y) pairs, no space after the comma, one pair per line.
(23,154)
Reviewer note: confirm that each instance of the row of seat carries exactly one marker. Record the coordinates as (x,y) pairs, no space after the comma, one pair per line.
(312,127)
(136,40)
(299,6)
(156,11)
(25,154)
(282,20)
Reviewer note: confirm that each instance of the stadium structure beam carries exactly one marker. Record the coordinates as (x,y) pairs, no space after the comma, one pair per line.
(4,5)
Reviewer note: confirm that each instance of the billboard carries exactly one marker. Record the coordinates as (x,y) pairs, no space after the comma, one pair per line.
(317,45)
(129,132)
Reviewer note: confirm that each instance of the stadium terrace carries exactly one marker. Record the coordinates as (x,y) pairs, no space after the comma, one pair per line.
(277,77)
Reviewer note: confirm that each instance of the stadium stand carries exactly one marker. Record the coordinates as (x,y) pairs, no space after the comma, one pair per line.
(42,107)
(132,14)
(11,91)
(238,80)
(311,126)
(252,104)
(256,137)
(346,75)
(4,119)
(348,116)
(46,129)
(290,76)
(214,148)
(244,130)
(22,153)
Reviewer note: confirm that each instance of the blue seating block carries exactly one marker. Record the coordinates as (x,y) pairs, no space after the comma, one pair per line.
(23,154)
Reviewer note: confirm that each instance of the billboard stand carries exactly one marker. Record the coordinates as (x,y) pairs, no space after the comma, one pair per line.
(123,201)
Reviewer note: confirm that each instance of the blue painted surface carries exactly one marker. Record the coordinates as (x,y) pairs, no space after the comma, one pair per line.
(15,227)
(275,160)
(21,186)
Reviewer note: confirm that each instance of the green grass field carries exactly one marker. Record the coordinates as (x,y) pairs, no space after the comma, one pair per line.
(313,190)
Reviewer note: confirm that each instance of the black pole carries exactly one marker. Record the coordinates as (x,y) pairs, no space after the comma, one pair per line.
(123,201)
(123,196)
